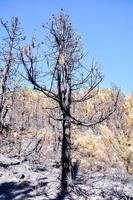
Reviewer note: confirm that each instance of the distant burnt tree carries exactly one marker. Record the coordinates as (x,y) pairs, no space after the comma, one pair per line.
(11,37)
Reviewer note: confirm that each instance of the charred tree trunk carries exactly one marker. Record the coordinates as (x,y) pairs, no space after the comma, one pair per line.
(3,85)
(66,125)
(66,153)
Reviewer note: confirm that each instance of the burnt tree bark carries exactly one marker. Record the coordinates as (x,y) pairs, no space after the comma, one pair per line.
(66,153)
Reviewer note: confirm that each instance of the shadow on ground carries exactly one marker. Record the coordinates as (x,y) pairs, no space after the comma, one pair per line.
(19,191)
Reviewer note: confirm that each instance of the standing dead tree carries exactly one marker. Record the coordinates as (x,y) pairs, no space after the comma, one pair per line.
(9,46)
(66,76)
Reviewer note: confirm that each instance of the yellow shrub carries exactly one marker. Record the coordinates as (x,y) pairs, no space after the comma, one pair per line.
(90,145)
(120,144)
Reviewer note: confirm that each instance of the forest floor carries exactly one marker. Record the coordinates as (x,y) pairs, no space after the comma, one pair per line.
(25,177)
(22,180)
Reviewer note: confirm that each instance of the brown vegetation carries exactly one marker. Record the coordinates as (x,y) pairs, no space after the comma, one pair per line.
(106,143)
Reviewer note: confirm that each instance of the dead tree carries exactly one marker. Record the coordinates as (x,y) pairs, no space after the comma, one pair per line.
(9,46)
(68,81)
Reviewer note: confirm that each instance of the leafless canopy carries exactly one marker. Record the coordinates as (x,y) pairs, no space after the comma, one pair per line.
(66,70)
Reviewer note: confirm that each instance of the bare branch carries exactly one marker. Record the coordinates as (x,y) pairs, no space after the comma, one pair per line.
(102,117)
(30,75)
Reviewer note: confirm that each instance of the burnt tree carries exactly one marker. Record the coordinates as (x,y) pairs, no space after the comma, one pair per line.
(66,75)
(11,37)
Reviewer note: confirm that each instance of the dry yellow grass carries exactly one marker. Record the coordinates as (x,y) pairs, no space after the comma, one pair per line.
(107,147)
(120,144)
(90,145)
